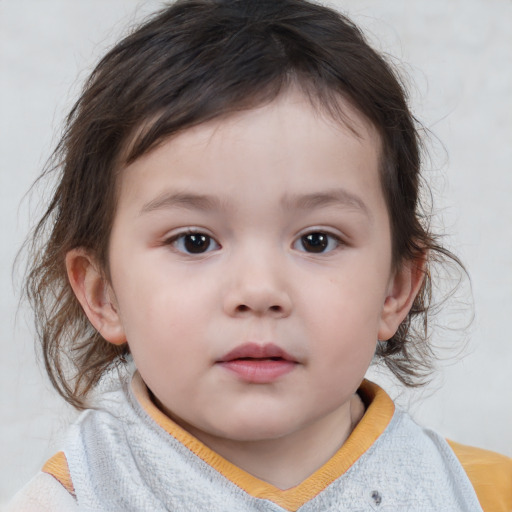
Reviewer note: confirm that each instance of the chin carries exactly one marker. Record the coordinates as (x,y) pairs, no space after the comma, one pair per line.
(256,431)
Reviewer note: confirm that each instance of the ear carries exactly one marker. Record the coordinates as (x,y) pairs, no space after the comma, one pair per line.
(403,288)
(95,295)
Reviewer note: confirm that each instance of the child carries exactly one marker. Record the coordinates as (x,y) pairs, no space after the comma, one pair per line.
(238,212)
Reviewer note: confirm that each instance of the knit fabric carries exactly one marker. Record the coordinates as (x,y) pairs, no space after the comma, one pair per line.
(121,460)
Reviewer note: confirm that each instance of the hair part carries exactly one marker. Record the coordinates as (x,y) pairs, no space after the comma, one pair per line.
(194,61)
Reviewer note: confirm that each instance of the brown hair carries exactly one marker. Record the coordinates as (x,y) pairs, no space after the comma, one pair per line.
(191,62)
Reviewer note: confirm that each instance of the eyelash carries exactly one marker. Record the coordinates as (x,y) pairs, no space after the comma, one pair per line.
(323,241)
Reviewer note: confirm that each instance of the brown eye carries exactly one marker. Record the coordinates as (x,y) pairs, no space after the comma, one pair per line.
(317,242)
(194,243)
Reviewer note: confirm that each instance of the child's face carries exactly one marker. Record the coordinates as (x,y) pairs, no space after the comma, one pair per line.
(261,235)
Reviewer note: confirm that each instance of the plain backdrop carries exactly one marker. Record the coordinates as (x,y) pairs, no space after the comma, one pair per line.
(456,56)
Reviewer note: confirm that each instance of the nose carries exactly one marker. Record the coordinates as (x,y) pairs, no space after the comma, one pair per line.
(257,286)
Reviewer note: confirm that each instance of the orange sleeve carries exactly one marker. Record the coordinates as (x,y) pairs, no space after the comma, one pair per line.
(57,467)
(491,476)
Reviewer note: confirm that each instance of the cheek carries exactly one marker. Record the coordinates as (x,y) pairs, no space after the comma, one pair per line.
(343,360)
(352,299)
(345,344)
(166,340)
(151,287)
(343,324)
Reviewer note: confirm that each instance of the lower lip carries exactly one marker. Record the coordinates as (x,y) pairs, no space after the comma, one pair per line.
(259,371)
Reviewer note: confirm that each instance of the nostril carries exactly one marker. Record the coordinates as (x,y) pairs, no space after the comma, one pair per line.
(242,308)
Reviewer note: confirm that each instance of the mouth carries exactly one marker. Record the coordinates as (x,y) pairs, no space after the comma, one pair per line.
(258,364)
(253,351)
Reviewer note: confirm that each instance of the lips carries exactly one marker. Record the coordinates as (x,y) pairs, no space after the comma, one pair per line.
(259,364)
(255,351)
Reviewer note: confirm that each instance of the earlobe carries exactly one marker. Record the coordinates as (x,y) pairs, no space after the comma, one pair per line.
(95,295)
(403,289)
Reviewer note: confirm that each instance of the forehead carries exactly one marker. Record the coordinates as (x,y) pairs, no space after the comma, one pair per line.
(333,107)
(289,144)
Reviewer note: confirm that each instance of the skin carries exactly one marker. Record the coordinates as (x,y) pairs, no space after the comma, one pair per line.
(272,175)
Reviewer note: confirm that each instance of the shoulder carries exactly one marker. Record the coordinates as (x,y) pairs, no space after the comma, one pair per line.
(43,494)
(490,474)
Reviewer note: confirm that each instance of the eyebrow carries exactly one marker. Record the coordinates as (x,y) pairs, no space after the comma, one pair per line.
(204,202)
(334,197)
(184,200)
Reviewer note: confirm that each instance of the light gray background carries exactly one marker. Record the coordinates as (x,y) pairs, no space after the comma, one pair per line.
(458,57)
